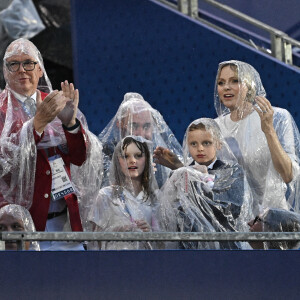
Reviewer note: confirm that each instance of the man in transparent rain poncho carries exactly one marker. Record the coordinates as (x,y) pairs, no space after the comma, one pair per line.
(16,218)
(264,139)
(135,116)
(42,136)
(128,203)
(208,193)
(275,220)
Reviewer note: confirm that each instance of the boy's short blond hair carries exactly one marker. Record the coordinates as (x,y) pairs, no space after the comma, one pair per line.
(210,126)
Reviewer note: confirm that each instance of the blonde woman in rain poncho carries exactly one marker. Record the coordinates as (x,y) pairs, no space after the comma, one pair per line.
(264,139)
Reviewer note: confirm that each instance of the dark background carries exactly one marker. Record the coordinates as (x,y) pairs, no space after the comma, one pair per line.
(54,42)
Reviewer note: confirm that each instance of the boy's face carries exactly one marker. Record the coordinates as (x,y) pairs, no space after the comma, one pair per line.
(202,147)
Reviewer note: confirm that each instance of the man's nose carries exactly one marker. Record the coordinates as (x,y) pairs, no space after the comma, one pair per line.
(21,69)
(139,131)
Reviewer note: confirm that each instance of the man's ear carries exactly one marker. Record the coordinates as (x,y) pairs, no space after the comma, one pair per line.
(122,123)
(41,73)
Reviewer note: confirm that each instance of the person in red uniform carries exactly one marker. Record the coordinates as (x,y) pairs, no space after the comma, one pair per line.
(42,134)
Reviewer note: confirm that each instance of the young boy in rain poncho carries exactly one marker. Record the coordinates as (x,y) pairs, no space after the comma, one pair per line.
(14,217)
(128,203)
(136,116)
(208,193)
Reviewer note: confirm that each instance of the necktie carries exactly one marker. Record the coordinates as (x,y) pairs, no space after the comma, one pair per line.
(30,105)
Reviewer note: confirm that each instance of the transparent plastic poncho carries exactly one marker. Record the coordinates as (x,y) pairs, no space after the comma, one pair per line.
(200,198)
(135,116)
(20,19)
(277,220)
(249,144)
(18,149)
(21,216)
(129,199)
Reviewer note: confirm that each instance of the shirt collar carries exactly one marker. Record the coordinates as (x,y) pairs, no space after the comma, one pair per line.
(22,98)
(210,166)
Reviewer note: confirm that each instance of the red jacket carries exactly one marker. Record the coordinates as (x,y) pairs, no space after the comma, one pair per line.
(43,177)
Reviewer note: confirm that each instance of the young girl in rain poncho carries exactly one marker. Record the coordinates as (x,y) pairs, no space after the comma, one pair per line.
(208,193)
(264,139)
(128,203)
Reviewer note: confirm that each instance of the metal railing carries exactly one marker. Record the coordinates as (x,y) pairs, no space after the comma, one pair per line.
(22,237)
(281,44)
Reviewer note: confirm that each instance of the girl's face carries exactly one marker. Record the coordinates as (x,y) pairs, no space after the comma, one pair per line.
(202,147)
(133,163)
(231,91)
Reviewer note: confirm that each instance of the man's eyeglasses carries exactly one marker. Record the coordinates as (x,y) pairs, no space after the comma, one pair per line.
(257,218)
(27,65)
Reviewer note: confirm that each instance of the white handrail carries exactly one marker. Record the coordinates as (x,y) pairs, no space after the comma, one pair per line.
(21,237)
(281,43)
